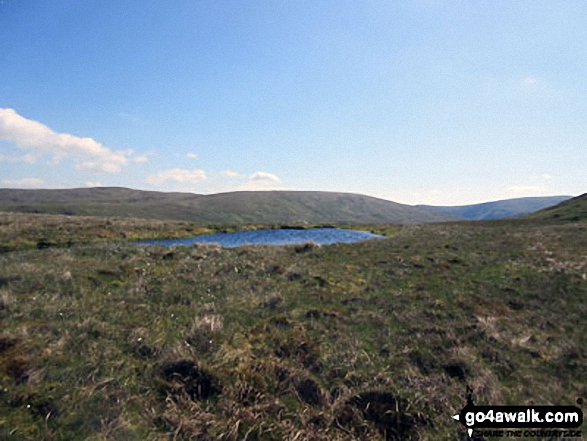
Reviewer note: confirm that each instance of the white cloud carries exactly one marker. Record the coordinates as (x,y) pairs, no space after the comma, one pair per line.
(261,181)
(101,166)
(86,153)
(263,176)
(192,156)
(93,184)
(184,180)
(28,158)
(543,177)
(178,175)
(26,182)
(140,159)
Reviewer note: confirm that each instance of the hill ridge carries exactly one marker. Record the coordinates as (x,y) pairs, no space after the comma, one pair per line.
(240,207)
(500,209)
(574,209)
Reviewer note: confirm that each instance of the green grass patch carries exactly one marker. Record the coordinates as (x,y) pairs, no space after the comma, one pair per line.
(373,340)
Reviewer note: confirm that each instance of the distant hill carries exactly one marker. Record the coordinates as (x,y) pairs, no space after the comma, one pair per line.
(574,209)
(256,207)
(508,208)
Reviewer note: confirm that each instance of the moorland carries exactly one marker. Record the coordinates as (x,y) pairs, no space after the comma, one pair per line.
(102,339)
(255,207)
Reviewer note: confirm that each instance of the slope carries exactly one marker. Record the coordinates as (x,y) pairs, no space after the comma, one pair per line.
(503,209)
(571,210)
(263,207)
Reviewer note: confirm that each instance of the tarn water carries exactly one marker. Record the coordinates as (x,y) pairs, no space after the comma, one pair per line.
(320,236)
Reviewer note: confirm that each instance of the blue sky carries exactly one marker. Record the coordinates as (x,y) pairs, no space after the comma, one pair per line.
(437,102)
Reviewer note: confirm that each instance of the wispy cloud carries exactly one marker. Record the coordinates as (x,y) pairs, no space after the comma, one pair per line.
(133,119)
(140,159)
(177,175)
(231,174)
(86,153)
(93,184)
(264,176)
(260,181)
(26,182)
(199,181)
(526,189)
(28,158)
(537,185)
(192,156)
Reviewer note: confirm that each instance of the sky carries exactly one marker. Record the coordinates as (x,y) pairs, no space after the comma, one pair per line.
(416,101)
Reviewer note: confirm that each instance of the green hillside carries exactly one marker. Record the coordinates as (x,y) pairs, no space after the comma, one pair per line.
(260,207)
(571,210)
(504,209)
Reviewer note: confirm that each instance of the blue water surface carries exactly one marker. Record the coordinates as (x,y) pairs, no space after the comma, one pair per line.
(321,236)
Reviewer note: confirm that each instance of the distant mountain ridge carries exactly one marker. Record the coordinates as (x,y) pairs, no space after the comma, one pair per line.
(256,207)
(504,209)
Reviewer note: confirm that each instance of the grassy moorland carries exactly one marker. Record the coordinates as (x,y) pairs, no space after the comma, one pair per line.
(374,340)
(38,231)
(20,231)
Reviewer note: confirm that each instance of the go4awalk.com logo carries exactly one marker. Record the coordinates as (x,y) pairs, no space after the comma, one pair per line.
(549,421)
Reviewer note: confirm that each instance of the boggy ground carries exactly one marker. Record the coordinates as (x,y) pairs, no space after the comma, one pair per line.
(374,340)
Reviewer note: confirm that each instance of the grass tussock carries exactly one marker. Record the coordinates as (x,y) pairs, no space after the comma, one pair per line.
(374,340)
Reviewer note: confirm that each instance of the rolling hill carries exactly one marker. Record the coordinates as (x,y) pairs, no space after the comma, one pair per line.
(574,209)
(504,209)
(259,207)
